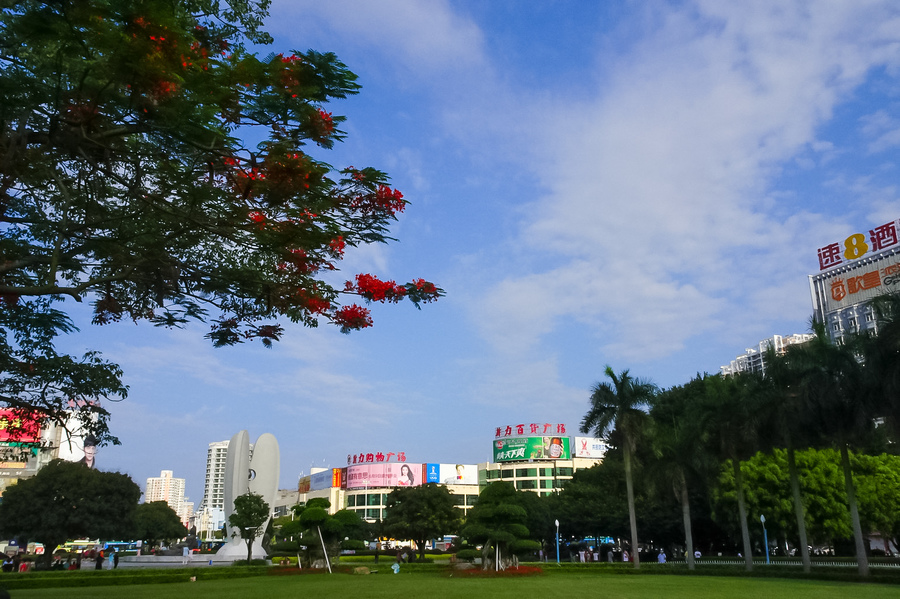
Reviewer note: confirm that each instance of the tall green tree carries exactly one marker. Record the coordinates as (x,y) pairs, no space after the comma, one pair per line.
(251,513)
(831,379)
(421,513)
(65,500)
(321,531)
(881,359)
(729,415)
(785,420)
(155,521)
(497,521)
(126,180)
(677,442)
(620,404)
(593,502)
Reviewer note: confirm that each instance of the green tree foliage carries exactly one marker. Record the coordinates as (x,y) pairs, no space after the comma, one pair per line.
(251,513)
(65,500)
(421,513)
(620,404)
(126,180)
(730,419)
(156,521)
(497,521)
(679,455)
(593,503)
(315,527)
(827,516)
(830,380)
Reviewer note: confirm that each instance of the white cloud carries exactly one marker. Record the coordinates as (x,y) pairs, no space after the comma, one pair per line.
(424,37)
(658,218)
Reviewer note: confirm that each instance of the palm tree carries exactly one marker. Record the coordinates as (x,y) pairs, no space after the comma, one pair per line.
(675,442)
(620,404)
(831,381)
(786,421)
(729,420)
(881,356)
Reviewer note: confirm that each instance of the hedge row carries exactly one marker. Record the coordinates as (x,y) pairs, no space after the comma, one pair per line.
(78,578)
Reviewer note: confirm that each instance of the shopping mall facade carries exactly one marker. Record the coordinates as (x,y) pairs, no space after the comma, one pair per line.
(535,457)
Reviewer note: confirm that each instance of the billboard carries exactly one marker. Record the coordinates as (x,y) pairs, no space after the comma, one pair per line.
(321,480)
(858,245)
(857,283)
(531,448)
(384,475)
(590,447)
(19,426)
(451,474)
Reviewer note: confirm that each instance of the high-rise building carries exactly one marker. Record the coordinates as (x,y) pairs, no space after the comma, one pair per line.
(754,358)
(214,486)
(211,514)
(166,487)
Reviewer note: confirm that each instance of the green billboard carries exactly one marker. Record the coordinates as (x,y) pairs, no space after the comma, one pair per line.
(531,448)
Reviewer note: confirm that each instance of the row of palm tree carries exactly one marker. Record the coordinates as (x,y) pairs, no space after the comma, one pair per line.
(818,394)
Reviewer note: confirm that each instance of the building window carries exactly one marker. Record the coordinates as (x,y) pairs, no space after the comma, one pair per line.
(526,472)
(546,483)
(506,473)
(471,499)
(373,514)
(373,499)
(526,484)
(351,500)
(564,471)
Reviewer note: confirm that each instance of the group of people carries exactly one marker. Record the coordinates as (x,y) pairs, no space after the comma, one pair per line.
(18,563)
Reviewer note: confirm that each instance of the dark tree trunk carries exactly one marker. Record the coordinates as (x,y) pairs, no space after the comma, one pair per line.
(798,508)
(742,513)
(632,518)
(686,518)
(862,559)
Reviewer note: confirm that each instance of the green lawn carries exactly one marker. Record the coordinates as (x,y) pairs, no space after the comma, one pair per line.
(389,586)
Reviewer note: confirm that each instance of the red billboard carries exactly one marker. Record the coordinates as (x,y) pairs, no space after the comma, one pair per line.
(19,426)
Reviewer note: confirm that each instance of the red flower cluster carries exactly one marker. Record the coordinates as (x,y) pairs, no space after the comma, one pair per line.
(258,218)
(326,123)
(390,199)
(384,200)
(292,59)
(352,318)
(425,287)
(302,262)
(337,246)
(313,303)
(376,290)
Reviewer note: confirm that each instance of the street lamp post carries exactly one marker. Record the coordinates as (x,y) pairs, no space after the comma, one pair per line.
(765,536)
(557,541)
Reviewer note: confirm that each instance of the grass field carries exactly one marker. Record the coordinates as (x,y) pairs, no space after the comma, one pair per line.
(388,586)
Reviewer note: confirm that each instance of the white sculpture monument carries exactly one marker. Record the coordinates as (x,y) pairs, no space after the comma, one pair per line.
(258,475)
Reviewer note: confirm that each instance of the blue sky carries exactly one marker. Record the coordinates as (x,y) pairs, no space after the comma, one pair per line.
(639,184)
